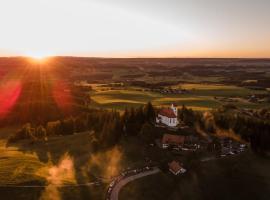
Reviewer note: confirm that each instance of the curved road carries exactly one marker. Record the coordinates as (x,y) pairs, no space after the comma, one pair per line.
(116,189)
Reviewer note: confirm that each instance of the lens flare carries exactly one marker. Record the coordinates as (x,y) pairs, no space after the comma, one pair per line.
(62,96)
(9,93)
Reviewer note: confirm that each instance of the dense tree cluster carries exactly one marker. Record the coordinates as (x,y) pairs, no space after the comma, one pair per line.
(29,132)
(108,126)
(188,116)
(253,125)
(134,119)
(252,129)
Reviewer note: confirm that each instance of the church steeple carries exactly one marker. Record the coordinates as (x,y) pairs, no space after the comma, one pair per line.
(174,108)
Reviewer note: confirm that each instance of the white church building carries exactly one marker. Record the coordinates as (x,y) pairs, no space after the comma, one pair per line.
(168,116)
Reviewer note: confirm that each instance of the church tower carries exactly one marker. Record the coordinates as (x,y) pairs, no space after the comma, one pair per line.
(174,108)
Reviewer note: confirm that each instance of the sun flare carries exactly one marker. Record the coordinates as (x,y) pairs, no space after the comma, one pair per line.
(38,57)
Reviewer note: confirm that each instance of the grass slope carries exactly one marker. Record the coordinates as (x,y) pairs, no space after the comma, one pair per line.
(242,177)
(60,160)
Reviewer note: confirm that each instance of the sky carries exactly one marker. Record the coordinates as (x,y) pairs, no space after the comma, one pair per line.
(135,28)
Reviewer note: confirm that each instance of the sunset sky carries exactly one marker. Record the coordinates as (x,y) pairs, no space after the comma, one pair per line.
(135,28)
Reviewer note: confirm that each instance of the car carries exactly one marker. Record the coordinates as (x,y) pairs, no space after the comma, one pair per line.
(110,189)
(182,171)
(97,183)
(176,148)
(184,149)
(112,183)
(242,145)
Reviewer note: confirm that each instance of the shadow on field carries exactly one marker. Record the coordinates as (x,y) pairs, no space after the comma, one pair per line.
(70,160)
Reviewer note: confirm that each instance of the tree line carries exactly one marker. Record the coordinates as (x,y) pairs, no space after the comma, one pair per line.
(108,126)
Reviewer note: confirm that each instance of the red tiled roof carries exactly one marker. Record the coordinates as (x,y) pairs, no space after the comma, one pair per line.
(167,112)
(174,166)
(173,139)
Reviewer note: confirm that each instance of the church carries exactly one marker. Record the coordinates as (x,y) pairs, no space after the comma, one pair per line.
(168,116)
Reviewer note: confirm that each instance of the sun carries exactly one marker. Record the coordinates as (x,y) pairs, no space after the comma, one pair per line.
(38,57)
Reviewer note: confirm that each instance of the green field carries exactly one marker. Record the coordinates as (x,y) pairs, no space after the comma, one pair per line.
(242,177)
(59,161)
(62,160)
(201,97)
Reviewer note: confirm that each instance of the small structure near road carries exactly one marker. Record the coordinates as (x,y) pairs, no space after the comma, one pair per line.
(229,146)
(176,168)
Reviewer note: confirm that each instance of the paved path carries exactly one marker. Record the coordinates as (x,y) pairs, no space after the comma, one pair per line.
(208,159)
(122,183)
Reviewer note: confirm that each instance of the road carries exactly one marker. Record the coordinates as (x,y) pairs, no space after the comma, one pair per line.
(116,189)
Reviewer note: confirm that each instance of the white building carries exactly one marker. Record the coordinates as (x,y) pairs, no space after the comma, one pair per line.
(168,116)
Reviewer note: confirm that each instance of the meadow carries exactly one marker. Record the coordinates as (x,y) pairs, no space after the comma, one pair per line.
(63,167)
(54,167)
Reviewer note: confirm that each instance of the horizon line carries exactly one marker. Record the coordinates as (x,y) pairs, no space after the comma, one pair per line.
(138,57)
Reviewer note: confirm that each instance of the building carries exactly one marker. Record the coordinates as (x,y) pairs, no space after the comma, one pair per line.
(172,140)
(176,168)
(168,116)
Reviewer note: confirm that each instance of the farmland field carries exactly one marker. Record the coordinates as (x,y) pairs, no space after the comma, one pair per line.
(200,97)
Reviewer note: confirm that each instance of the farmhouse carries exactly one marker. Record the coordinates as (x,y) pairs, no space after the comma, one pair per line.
(176,168)
(168,116)
(172,140)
